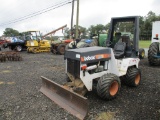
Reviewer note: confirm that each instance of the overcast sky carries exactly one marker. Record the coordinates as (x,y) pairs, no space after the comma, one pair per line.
(91,12)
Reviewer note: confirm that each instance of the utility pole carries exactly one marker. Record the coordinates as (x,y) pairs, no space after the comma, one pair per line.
(77,19)
(72,18)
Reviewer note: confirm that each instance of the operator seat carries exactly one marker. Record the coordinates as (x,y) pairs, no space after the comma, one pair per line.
(119,50)
(128,50)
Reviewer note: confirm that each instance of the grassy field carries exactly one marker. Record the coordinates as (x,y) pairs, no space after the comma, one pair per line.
(144,43)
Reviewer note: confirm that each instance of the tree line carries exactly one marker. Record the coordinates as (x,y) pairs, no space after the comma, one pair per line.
(145,25)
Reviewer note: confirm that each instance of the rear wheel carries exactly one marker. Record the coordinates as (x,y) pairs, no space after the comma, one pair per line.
(108,86)
(153,50)
(61,49)
(19,48)
(133,77)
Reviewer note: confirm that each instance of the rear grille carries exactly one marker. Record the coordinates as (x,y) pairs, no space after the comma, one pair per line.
(73,67)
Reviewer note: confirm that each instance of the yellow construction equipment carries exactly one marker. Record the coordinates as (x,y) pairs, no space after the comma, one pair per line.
(36,44)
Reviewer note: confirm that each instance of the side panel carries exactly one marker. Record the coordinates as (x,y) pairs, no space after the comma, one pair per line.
(126,63)
(155,30)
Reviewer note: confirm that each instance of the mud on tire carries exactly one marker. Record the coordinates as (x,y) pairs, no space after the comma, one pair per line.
(108,86)
(133,77)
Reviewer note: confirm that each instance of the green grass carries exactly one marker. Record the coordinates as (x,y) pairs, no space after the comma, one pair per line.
(144,43)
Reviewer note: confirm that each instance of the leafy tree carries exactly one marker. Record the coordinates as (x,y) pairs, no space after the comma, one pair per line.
(82,31)
(66,32)
(10,32)
(107,27)
(146,25)
(99,28)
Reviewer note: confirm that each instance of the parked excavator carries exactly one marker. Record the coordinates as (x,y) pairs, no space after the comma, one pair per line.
(97,67)
(154,48)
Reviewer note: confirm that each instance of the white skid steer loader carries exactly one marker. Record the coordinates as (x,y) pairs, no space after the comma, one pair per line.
(100,67)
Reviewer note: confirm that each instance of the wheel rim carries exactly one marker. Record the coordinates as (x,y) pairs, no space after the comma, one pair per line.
(137,79)
(143,54)
(113,88)
(19,48)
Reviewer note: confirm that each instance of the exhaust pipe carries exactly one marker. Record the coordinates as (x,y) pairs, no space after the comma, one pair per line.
(72,102)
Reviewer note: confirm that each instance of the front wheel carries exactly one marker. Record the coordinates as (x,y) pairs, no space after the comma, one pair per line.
(61,49)
(108,86)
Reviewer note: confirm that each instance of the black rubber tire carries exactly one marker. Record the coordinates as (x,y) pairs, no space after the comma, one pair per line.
(141,53)
(84,45)
(153,50)
(108,86)
(18,48)
(61,49)
(132,77)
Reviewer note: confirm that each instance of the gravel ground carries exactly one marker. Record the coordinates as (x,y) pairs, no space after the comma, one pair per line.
(20,97)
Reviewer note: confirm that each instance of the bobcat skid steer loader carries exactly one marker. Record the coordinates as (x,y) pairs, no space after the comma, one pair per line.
(98,67)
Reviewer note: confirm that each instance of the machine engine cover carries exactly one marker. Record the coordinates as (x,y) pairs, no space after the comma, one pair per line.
(89,54)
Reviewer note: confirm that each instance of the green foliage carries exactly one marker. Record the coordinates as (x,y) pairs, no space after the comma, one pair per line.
(146,25)
(82,31)
(99,28)
(10,32)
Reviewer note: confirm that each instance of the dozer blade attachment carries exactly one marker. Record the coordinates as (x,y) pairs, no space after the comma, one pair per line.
(72,102)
